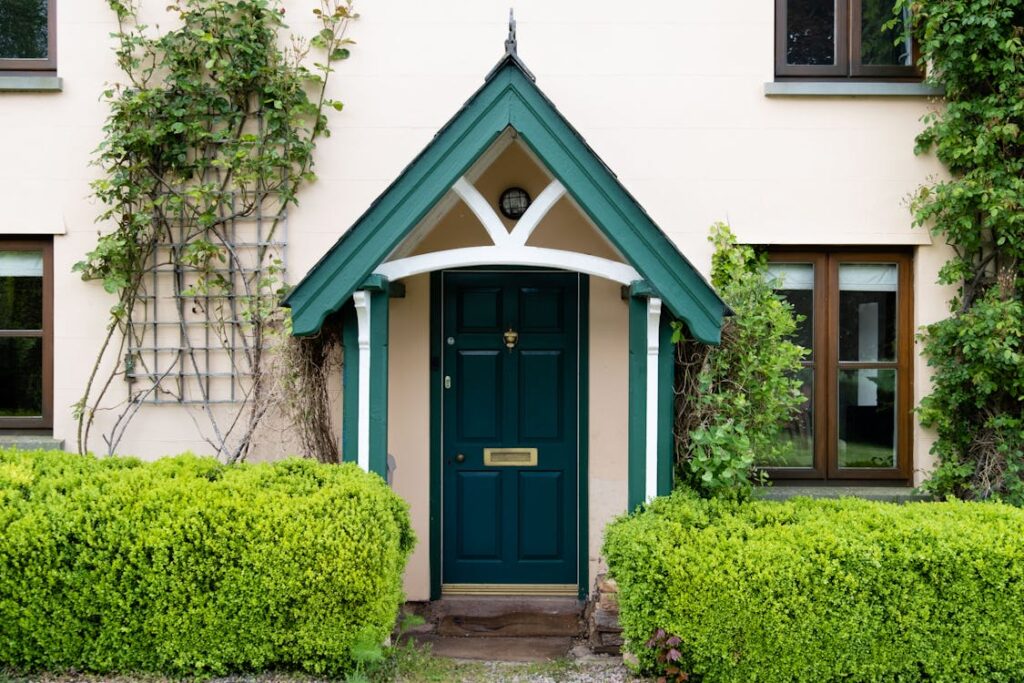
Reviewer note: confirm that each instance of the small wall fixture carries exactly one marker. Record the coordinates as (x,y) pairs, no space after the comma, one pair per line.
(514,202)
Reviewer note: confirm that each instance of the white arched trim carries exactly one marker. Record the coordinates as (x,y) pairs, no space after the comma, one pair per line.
(482,210)
(509,256)
(528,222)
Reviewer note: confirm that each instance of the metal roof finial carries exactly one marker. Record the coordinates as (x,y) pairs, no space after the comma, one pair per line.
(510,42)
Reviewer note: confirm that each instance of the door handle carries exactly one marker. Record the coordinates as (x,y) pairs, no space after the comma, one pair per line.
(460,458)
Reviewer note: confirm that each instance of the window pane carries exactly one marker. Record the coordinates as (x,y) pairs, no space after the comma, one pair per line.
(23,33)
(21,290)
(867,311)
(795,282)
(810,32)
(798,435)
(21,376)
(867,418)
(883,47)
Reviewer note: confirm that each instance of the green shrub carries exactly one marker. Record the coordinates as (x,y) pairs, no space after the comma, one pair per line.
(735,398)
(188,566)
(824,590)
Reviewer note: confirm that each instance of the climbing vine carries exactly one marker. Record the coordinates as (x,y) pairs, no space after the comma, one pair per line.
(214,123)
(974,50)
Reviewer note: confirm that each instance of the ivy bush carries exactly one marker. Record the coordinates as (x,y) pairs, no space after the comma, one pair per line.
(734,399)
(186,566)
(818,591)
(974,50)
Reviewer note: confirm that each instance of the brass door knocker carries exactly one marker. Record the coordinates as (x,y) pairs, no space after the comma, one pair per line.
(511,338)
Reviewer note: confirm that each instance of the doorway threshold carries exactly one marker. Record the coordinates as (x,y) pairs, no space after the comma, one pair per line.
(515,589)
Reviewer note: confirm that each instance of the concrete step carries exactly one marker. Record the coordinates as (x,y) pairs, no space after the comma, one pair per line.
(496,649)
(31,442)
(503,617)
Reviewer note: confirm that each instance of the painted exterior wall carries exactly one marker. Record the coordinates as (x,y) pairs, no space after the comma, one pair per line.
(670,94)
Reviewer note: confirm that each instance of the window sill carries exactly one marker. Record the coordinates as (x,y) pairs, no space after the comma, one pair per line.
(887,494)
(31,84)
(849,89)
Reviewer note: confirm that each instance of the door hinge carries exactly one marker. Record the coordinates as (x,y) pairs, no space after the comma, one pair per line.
(447,381)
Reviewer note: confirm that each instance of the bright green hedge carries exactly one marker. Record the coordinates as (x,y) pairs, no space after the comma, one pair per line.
(187,566)
(825,590)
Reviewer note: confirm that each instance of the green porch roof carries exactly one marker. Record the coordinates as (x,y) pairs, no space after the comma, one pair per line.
(508,97)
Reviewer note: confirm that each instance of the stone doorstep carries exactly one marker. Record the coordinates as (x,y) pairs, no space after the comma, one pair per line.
(498,617)
(501,649)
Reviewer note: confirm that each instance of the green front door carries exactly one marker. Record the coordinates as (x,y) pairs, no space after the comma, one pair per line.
(510,425)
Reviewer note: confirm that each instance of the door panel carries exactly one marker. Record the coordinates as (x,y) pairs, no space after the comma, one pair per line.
(506,523)
(479,536)
(540,394)
(540,515)
(479,405)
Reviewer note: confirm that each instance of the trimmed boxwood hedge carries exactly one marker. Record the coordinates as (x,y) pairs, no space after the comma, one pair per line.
(825,590)
(188,566)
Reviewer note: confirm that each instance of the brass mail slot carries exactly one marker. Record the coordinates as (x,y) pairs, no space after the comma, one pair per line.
(510,457)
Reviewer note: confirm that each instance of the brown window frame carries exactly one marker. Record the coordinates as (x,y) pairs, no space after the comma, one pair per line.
(848,64)
(35,65)
(46,334)
(826,364)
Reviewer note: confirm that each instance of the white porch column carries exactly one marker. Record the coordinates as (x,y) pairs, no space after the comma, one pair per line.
(651,440)
(361,299)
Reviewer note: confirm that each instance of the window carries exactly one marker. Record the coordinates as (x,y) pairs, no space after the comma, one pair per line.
(833,39)
(26,334)
(857,378)
(28,35)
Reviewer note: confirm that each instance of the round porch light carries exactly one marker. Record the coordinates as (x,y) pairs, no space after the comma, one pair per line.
(514,202)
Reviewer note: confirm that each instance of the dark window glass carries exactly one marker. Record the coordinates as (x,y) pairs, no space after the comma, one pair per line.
(880,46)
(810,32)
(867,418)
(23,29)
(798,435)
(21,303)
(21,376)
(867,311)
(795,282)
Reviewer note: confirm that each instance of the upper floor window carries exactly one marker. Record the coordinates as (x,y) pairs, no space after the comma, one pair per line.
(830,39)
(28,35)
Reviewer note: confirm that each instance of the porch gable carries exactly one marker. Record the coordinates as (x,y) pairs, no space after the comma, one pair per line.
(508,98)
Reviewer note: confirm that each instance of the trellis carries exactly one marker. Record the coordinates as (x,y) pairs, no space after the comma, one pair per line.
(190,342)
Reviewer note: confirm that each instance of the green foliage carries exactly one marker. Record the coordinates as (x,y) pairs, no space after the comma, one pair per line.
(215,122)
(186,566)
(974,49)
(736,397)
(818,591)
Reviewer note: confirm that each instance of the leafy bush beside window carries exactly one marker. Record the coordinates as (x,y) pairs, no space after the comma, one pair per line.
(735,398)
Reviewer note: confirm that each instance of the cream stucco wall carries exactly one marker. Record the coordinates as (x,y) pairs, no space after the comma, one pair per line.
(669,93)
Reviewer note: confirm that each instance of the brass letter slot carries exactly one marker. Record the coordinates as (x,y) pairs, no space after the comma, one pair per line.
(510,457)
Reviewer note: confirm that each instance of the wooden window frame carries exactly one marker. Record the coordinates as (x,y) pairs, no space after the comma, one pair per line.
(848,65)
(45,245)
(31,66)
(826,364)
